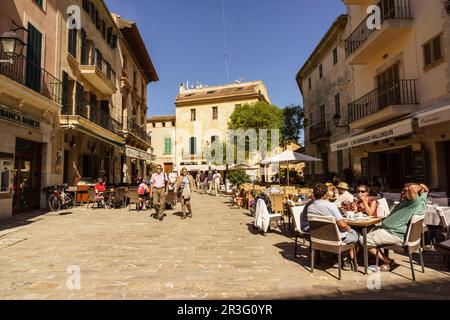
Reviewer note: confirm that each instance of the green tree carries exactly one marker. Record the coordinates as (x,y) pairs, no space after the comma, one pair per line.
(238,177)
(293,123)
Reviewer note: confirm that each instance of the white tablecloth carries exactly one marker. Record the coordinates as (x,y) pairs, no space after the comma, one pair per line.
(432,217)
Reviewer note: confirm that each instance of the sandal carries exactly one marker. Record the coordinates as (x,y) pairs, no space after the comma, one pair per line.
(388,267)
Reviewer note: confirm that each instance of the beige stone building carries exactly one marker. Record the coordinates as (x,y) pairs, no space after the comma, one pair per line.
(30,101)
(137,72)
(400,92)
(202,116)
(162,131)
(324,83)
(91,116)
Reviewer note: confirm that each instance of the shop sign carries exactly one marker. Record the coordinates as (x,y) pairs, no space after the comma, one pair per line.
(396,130)
(437,116)
(138,154)
(12,116)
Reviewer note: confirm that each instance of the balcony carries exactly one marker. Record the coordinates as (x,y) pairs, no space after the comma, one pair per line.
(96,75)
(391,100)
(138,130)
(40,82)
(319,132)
(364,42)
(83,113)
(193,157)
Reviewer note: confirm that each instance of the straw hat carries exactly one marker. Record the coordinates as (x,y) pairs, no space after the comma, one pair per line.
(343,186)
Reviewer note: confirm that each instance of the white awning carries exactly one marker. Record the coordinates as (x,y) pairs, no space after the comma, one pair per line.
(394,130)
(203,167)
(137,154)
(433,116)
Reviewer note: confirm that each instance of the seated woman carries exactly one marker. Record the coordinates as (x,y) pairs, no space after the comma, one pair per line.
(99,189)
(365,203)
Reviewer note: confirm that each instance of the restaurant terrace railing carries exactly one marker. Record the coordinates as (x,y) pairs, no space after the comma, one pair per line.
(137,130)
(397,92)
(87,110)
(32,76)
(319,130)
(390,10)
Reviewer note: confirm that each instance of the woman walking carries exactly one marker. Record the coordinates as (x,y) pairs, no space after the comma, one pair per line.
(184,187)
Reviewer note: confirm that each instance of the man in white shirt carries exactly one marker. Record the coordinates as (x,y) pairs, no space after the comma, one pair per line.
(344,194)
(158,190)
(217,180)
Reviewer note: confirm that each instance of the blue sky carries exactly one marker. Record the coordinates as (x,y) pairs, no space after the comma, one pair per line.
(265,40)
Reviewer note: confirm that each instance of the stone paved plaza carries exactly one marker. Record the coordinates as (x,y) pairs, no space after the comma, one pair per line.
(215,255)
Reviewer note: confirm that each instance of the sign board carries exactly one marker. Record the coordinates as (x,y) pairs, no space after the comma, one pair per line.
(392,131)
(11,116)
(138,154)
(419,168)
(433,117)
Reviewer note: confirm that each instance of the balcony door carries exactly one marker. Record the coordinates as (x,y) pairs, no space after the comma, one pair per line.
(388,9)
(34,57)
(388,85)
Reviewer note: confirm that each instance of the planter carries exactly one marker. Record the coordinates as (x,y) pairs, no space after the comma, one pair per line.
(239,201)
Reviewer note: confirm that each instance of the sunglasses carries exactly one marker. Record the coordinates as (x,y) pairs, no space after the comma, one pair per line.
(362,191)
(158,168)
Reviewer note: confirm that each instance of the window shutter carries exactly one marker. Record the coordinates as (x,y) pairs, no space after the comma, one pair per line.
(114,42)
(65,93)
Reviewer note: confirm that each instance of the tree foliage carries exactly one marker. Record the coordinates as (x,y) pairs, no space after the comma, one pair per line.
(260,115)
(238,177)
(293,123)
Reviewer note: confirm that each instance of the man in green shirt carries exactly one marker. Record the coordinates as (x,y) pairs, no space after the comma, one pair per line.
(394,228)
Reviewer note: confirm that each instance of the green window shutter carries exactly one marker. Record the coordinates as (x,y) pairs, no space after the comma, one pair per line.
(34,52)
(167,146)
(65,93)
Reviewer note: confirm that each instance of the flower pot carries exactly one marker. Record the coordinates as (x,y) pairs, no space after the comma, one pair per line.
(239,201)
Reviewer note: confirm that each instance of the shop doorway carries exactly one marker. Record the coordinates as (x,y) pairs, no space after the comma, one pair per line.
(447,164)
(27,176)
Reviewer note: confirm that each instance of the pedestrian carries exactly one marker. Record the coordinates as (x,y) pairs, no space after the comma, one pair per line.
(184,187)
(198,180)
(210,182)
(158,190)
(217,180)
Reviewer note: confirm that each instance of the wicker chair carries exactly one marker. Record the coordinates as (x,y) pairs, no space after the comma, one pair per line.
(412,244)
(325,237)
(134,199)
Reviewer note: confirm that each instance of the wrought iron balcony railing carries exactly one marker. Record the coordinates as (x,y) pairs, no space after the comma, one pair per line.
(397,92)
(32,76)
(137,130)
(390,10)
(92,113)
(319,131)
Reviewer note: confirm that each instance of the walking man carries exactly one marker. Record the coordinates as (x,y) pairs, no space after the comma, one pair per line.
(210,182)
(217,180)
(158,190)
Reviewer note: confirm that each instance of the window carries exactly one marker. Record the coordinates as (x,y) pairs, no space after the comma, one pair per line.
(86,5)
(320,72)
(108,70)
(109,35)
(84,51)
(309,84)
(40,3)
(322,113)
(114,42)
(335,56)
(167,146)
(215,113)
(433,52)
(214,139)
(72,47)
(99,61)
(192,145)
(193,115)
(5,169)
(337,104)
(34,53)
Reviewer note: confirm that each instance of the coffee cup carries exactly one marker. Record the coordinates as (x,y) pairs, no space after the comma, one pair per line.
(351,215)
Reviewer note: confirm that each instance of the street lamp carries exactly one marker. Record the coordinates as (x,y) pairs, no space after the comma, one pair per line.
(12,44)
(337,121)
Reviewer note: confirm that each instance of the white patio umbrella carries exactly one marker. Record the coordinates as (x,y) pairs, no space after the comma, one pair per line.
(289,157)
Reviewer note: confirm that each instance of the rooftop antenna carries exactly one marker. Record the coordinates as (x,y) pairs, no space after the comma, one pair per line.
(226,57)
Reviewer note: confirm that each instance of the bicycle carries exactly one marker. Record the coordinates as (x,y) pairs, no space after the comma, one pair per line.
(58,198)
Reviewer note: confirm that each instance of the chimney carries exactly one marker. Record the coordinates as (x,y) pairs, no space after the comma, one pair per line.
(182,88)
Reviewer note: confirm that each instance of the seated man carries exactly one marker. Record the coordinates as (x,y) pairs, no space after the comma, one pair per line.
(322,207)
(394,228)
(344,195)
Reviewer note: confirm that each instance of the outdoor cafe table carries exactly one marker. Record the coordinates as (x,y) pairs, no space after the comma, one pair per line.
(364,224)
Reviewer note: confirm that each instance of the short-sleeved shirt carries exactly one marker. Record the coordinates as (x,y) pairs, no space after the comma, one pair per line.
(217,177)
(345,197)
(327,209)
(100,187)
(397,222)
(159,180)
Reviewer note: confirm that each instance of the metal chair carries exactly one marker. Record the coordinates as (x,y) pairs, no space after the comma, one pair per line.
(412,244)
(444,222)
(325,237)
(91,198)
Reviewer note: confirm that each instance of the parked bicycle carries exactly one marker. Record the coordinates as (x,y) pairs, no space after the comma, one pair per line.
(58,198)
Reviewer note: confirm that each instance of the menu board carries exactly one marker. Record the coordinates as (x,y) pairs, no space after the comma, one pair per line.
(419,168)
(365,168)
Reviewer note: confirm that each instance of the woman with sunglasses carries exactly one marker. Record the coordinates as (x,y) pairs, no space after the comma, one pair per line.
(365,203)
(184,187)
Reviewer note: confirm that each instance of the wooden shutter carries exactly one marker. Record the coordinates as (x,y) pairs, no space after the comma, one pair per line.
(34,52)
(65,93)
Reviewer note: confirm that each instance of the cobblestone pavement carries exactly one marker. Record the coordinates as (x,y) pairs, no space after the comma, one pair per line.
(215,255)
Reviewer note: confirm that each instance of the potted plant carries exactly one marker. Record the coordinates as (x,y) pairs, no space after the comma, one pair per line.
(238,178)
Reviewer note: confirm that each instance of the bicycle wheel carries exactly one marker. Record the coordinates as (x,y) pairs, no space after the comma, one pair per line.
(54,203)
(68,199)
